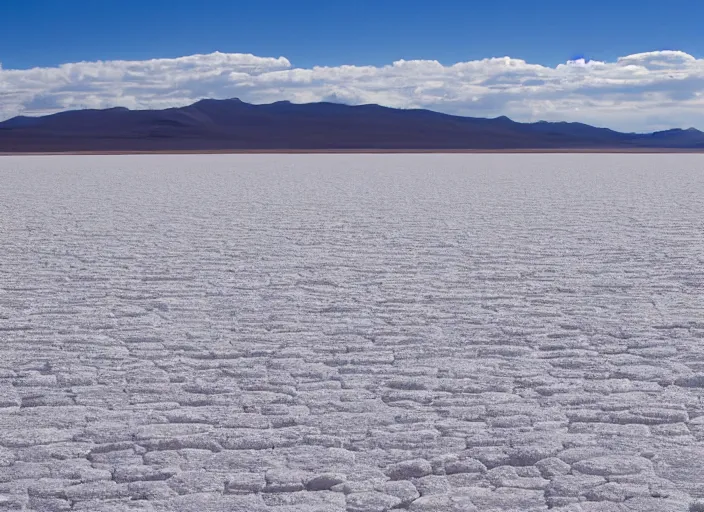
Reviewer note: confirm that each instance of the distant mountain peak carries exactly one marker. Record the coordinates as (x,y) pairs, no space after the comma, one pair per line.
(211,101)
(231,124)
(690,131)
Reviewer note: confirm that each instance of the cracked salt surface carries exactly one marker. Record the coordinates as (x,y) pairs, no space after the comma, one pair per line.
(352,333)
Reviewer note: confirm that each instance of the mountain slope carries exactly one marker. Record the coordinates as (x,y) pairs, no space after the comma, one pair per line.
(233,124)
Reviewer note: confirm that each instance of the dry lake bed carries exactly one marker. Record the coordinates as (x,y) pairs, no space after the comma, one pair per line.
(360,333)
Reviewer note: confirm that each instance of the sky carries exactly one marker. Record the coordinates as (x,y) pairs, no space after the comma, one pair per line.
(629,65)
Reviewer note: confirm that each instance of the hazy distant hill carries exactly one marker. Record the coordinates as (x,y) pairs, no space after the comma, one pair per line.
(233,124)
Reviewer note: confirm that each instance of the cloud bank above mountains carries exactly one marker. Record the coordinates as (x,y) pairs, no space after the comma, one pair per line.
(641,92)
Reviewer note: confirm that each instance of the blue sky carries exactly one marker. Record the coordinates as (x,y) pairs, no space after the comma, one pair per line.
(308,32)
(625,64)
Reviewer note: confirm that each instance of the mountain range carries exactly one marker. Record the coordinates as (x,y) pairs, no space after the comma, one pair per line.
(213,125)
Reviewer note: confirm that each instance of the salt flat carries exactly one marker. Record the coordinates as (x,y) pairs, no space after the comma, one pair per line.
(357,333)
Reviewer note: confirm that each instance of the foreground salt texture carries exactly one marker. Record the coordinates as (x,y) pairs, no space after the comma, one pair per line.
(352,333)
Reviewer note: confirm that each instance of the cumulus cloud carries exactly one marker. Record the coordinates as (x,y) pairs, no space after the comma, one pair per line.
(644,91)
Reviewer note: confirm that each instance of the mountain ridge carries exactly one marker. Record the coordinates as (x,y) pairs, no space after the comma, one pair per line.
(232,124)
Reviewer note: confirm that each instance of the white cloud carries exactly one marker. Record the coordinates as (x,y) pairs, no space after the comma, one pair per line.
(645,91)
